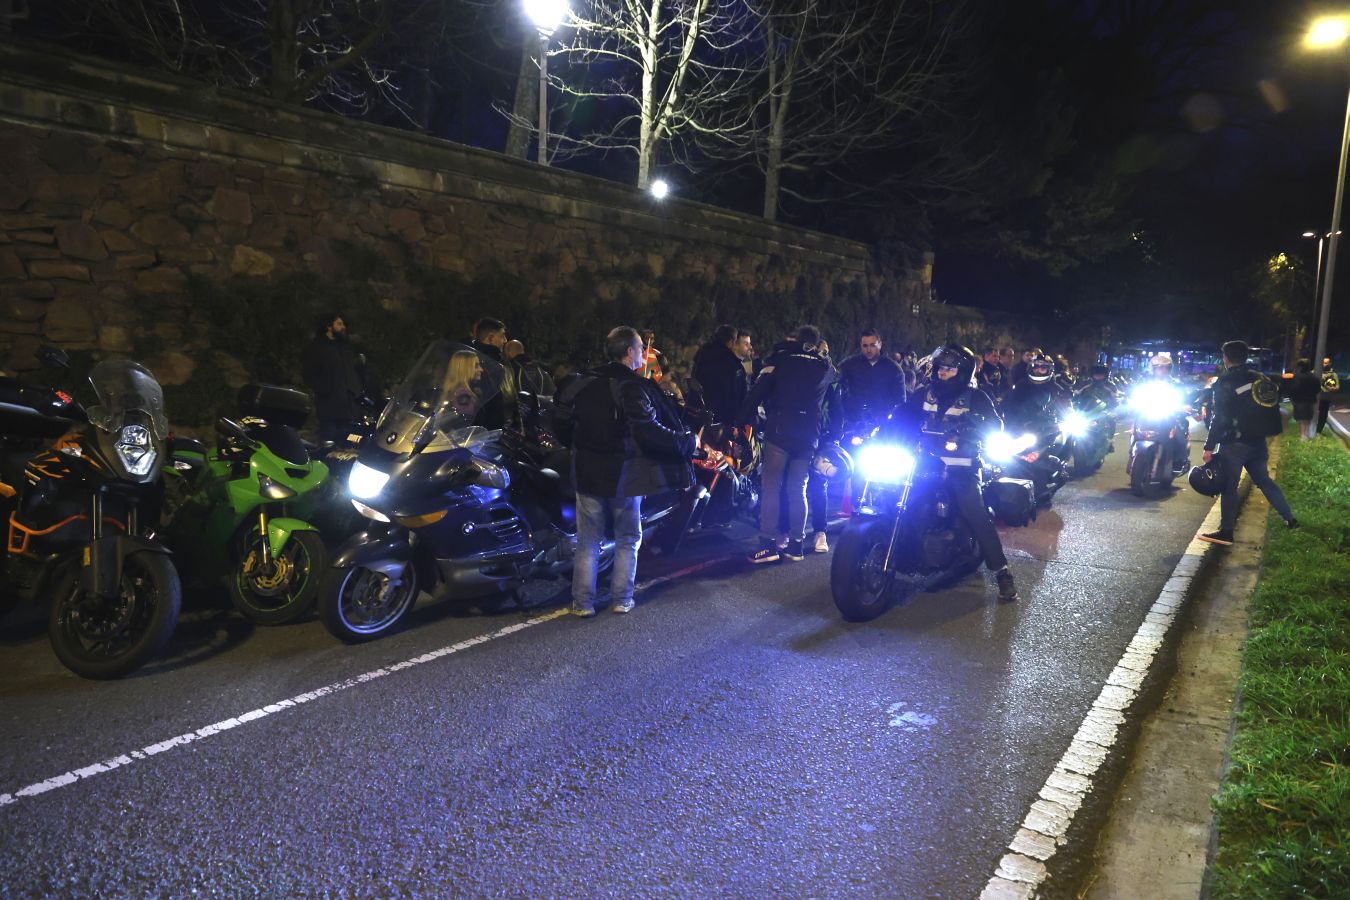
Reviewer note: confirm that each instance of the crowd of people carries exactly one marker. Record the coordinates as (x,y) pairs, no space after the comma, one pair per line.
(631,438)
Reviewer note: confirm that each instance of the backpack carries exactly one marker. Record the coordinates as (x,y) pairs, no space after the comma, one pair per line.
(1257,412)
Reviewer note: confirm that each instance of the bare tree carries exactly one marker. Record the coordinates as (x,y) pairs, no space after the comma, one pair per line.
(836,83)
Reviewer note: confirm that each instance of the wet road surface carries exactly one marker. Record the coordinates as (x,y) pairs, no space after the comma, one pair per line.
(732,736)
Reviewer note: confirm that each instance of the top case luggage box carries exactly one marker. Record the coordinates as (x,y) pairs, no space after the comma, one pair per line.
(1013,500)
(278,405)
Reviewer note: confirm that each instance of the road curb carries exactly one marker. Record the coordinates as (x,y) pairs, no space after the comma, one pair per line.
(1092,767)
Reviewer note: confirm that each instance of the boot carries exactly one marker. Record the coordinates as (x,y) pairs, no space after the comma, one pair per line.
(1007,589)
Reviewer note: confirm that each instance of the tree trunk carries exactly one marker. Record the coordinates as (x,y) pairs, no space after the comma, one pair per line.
(527,100)
(647,120)
(284,78)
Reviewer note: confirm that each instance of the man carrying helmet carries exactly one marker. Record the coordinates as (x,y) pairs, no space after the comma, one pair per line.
(952,404)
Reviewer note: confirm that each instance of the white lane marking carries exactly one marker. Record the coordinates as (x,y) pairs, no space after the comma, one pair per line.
(1023,868)
(68,778)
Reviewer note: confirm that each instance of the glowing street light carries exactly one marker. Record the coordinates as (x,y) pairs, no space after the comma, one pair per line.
(659,188)
(1328,33)
(546,15)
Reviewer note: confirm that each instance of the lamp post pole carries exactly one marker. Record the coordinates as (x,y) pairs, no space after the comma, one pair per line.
(543,97)
(1333,240)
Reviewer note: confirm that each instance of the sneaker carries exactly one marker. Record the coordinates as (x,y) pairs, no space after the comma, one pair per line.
(822,543)
(583,610)
(767,554)
(794,552)
(1292,524)
(624,606)
(1007,588)
(1220,537)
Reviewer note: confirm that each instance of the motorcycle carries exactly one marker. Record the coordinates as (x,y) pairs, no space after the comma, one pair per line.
(1036,455)
(248,521)
(906,535)
(1090,428)
(1159,425)
(455,506)
(80,521)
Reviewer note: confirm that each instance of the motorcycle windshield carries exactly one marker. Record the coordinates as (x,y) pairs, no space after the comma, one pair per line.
(440,401)
(125,388)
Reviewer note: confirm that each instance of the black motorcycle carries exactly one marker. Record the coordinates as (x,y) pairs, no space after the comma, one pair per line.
(1034,451)
(1158,440)
(80,519)
(906,535)
(457,507)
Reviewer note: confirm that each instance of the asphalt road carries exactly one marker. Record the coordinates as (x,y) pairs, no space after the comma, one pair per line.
(732,736)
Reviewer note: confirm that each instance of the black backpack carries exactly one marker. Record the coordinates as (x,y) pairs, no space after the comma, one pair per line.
(1257,411)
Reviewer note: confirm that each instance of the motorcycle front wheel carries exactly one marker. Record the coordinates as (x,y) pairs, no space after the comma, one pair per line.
(358,604)
(97,637)
(283,591)
(858,582)
(1143,464)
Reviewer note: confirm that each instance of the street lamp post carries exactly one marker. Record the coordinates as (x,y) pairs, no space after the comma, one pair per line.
(1325,33)
(547,15)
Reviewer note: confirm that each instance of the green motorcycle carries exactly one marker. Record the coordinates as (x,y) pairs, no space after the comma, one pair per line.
(246,511)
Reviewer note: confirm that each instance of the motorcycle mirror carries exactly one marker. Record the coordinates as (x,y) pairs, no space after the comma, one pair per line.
(229,428)
(466,475)
(52,357)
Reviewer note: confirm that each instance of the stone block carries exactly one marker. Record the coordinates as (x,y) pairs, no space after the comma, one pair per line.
(11,266)
(248,261)
(35,237)
(187,255)
(250,171)
(115,339)
(135,260)
(172,367)
(80,241)
(25,221)
(36,251)
(148,191)
(268,231)
(118,165)
(21,309)
(209,172)
(114,213)
(51,268)
(79,190)
(161,280)
(285,196)
(116,241)
(69,320)
(436,224)
(160,230)
(229,205)
(67,154)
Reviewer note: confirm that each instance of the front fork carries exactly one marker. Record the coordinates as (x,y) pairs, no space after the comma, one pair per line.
(895,528)
(262,532)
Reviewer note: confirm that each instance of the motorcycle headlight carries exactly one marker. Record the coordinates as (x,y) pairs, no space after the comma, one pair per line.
(135,449)
(1156,400)
(1076,424)
(369,512)
(1000,446)
(885,463)
(273,490)
(365,482)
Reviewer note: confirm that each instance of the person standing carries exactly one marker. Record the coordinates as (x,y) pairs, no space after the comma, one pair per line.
(720,373)
(331,369)
(872,384)
(992,378)
(1243,420)
(1331,384)
(501,410)
(1302,391)
(795,389)
(628,442)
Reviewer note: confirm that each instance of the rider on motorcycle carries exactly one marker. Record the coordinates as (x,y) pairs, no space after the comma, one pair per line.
(953,404)
(1035,402)
(1160,371)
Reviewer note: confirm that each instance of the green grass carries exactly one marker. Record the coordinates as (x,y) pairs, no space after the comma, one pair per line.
(1284,810)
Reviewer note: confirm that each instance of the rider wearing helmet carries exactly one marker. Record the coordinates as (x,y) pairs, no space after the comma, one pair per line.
(952,403)
(1034,401)
(1160,370)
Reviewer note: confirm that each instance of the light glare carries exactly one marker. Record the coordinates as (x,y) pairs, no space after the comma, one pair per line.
(1329,31)
(659,189)
(546,15)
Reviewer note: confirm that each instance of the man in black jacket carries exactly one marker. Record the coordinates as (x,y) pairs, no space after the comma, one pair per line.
(796,388)
(502,411)
(872,384)
(720,372)
(1243,420)
(628,441)
(331,369)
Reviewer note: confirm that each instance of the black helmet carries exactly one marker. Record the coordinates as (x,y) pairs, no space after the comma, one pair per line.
(1207,479)
(955,356)
(833,462)
(1100,369)
(1040,369)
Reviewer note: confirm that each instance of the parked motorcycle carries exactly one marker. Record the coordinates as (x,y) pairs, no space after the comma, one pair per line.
(454,506)
(80,520)
(248,521)
(1159,427)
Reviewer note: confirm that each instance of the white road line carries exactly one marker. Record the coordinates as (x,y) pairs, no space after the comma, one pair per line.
(116,762)
(1023,868)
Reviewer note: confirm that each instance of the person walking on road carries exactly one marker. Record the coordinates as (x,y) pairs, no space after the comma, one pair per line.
(628,441)
(798,390)
(1246,414)
(331,368)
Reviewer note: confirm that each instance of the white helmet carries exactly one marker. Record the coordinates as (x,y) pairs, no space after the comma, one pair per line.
(1161,359)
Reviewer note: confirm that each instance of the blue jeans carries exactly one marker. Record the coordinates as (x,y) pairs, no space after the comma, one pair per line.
(592,515)
(1253,458)
(782,476)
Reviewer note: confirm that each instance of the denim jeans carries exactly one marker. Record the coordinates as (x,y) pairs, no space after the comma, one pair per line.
(593,514)
(1253,458)
(787,475)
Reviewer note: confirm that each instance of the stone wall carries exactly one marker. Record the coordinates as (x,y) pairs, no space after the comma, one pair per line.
(201,230)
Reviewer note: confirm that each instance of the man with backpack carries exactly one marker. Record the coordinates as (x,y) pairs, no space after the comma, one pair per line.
(1246,414)
(628,441)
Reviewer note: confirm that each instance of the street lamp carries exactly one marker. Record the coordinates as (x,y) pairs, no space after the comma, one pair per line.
(547,15)
(1326,33)
(659,188)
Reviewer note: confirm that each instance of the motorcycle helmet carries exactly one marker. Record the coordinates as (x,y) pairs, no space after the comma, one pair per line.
(1099,369)
(1207,479)
(1159,361)
(1040,369)
(833,462)
(954,356)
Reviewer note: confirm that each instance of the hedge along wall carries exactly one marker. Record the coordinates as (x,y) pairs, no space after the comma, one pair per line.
(200,231)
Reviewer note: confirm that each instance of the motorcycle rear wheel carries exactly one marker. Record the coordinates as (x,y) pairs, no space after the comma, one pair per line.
(109,638)
(860,587)
(305,559)
(357,604)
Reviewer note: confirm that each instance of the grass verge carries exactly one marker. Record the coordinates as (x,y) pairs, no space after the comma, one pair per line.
(1284,808)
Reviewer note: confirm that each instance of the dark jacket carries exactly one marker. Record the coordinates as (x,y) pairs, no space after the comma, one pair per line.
(628,438)
(331,369)
(871,389)
(502,410)
(1032,406)
(1237,417)
(1303,389)
(993,379)
(721,378)
(964,413)
(800,393)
